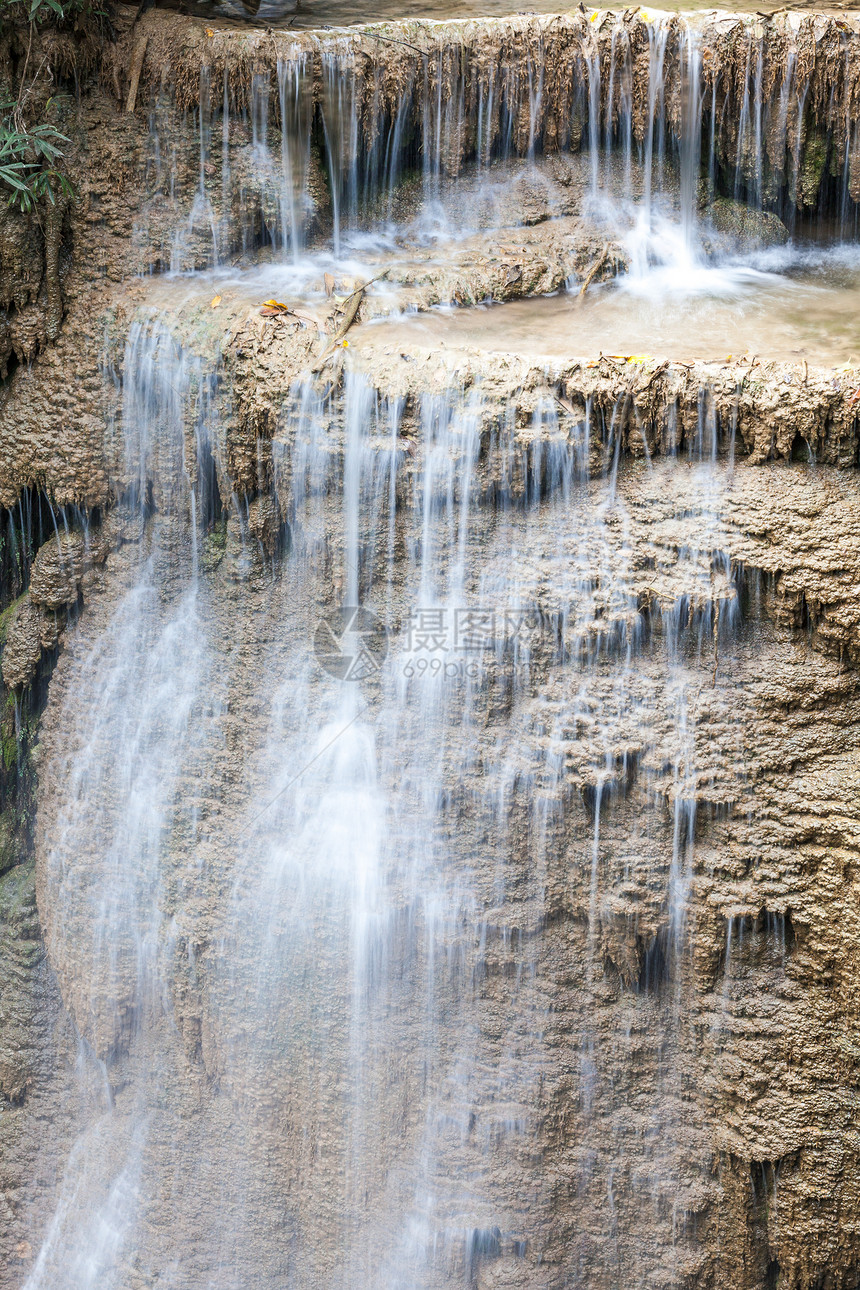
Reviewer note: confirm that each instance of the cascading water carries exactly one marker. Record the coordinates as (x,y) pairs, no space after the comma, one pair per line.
(649,89)
(373,992)
(381,800)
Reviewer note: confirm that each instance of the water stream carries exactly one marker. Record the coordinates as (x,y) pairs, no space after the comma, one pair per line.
(361,909)
(374,852)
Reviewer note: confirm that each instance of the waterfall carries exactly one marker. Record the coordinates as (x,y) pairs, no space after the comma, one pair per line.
(401,848)
(261,871)
(672,95)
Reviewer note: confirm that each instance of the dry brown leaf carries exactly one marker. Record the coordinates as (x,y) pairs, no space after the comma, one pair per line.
(329,284)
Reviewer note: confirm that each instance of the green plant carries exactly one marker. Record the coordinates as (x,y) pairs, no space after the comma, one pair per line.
(28,162)
(39,11)
(30,153)
(53,5)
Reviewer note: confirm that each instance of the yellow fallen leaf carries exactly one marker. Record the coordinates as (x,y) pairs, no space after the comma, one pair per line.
(275,304)
(346,344)
(595,15)
(216,300)
(209,31)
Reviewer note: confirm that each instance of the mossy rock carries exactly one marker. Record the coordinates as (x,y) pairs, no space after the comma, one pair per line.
(213,547)
(18,893)
(6,617)
(810,172)
(752,228)
(9,847)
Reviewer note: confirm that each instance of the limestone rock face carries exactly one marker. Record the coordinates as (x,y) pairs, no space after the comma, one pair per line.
(61,568)
(37,1058)
(526,957)
(155,190)
(698,1075)
(23,647)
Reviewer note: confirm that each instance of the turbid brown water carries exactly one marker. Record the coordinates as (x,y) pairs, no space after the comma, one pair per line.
(790,305)
(810,310)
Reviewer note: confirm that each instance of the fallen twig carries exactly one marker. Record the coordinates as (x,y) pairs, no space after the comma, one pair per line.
(658,371)
(753,363)
(389,40)
(364,286)
(353,304)
(594,270)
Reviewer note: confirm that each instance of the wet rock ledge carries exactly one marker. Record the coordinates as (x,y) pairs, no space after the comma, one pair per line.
(772,1067)
(350,118)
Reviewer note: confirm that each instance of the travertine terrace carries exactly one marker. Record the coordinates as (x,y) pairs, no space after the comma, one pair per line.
(429,807)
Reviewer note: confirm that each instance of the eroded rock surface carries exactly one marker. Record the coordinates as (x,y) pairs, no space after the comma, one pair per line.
(63,567)
(664,1080)
(192,144)
(623,836)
